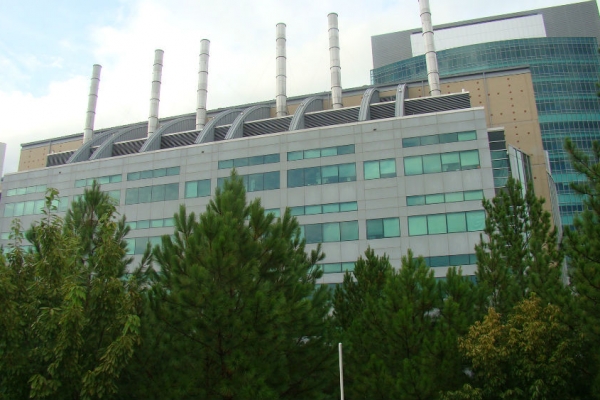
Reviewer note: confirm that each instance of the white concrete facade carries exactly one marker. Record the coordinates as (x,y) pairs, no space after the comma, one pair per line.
(376,198)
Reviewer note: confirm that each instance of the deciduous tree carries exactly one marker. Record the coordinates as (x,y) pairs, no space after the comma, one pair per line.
(72,322)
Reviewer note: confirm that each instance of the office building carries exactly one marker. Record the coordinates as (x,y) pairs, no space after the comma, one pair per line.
(382,166)
(558,45)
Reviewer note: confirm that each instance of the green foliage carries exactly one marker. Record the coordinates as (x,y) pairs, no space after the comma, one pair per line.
(72,319)
(236,307)
(401,339)
(518,252)
(530,356)
(582,245)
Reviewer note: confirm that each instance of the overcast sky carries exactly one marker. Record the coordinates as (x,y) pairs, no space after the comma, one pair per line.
(48,47)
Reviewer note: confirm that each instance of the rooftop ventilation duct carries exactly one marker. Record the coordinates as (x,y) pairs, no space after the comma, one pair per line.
(280,58)
(90,115)
(334,61)
(155,93)
(202,84)
(433,76)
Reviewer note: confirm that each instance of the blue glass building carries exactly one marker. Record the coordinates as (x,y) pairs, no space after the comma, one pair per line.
(564,72)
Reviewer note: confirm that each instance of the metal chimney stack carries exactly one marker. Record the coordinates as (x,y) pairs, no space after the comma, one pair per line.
(280,59)
(90,115)
(433,76)
(202,84)
(155,94)
(334,58)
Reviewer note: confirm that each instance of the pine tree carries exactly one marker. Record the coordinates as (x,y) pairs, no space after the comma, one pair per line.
(401,340)
(582,245)
(518,252)
(236,295)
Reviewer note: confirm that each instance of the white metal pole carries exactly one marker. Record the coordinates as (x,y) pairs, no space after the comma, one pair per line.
(341,372)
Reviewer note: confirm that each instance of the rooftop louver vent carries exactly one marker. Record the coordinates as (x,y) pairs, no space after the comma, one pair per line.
(58,158)
(129,147)
(266,126)
(426,105)
(178,139)
(383,110)
(386,99)
(220,132)
(331,117)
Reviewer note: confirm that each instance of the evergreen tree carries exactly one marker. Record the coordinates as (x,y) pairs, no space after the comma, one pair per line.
(518,252)
(73,319)
(364,283)
(402,342)
(236,297)
(582,245)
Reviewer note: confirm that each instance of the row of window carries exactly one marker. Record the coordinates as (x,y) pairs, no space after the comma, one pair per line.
(151,223)
(451,261)
(438,198)
(197,188)
(102,180)
(330,232)
(26,190)
(383,228)
(378,169)
(455,260)
(151,194)
(324,208)
(469,221)
(345,231)
(332,268)
(318,153)
(257,182)
(153,173)
(321,175)
(249,161)
(33,207)
(444,162)
(138,245)
(439,139)
(113,194)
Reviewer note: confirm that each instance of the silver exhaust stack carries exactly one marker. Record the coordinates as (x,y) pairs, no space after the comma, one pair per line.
(280,59)
(202,84)
(90,115)
(155,93)
(334,61)
(433,75)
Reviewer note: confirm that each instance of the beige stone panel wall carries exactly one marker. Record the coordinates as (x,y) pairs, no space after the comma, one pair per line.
(35,157)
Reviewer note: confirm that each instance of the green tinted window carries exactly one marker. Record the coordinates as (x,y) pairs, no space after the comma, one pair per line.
(457,222)
(371,169)
(474,195)
(475,221)
(469,159)
(349,230)
(413,165)
(331,232)
(417,225)
(436,224)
